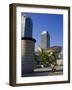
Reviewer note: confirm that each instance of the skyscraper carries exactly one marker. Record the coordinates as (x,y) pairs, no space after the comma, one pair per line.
(45,40)
(26,26)
(27,45)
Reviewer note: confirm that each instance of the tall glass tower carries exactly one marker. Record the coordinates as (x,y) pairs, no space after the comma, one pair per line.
(26,27)
(45,40)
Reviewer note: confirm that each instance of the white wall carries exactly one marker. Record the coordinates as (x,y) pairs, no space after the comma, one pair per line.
(4,45)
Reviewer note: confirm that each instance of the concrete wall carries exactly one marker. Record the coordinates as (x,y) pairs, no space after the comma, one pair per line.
(27,55)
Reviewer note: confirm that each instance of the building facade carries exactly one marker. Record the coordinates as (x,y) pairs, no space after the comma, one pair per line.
(27,46)
(27,55)
(45,40)
(26,26)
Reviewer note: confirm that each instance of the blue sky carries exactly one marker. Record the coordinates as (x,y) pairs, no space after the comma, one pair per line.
(53,23)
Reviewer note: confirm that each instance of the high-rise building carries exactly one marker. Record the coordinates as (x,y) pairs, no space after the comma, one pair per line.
(27,45)
(26,26)
(45,40)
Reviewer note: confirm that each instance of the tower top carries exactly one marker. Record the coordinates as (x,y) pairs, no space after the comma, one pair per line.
(44,32)
(26,16)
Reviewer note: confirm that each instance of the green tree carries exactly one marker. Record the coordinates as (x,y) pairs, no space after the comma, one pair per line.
(47,57)
(42,55)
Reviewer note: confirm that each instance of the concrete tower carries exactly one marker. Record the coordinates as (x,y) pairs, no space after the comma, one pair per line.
(45,40)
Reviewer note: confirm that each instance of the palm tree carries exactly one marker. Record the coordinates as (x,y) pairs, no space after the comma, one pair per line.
(52,60)
(49,57)
(42,55)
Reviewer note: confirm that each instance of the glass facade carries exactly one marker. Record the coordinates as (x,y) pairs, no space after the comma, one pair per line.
(45,40)
(26,27)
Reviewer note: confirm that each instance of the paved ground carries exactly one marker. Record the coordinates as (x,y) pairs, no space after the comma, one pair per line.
(45,72)
(58,68)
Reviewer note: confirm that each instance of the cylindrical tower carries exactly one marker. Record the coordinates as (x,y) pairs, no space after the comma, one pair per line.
(27,50)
